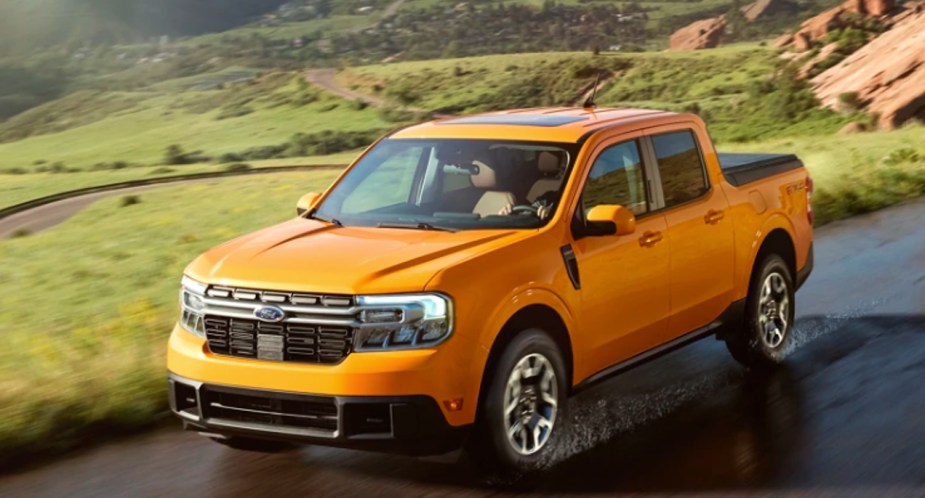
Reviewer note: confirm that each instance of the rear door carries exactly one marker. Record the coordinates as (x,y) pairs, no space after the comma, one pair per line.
(699,229)
(624,279)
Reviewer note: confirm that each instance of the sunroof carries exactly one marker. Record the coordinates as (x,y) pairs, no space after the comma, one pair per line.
(518,120)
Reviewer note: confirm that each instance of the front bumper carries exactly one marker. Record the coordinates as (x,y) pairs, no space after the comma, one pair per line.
(397,424)
(451,371)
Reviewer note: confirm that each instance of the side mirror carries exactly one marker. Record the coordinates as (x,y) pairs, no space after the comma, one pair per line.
(608,219)
(307,202)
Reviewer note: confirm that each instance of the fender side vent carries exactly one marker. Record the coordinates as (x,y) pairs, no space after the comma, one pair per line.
(571,266)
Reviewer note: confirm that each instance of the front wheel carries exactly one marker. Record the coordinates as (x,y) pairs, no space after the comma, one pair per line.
(522,413)
(766,335)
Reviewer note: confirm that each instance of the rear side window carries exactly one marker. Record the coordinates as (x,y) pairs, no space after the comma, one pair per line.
(680,166)
(617,178)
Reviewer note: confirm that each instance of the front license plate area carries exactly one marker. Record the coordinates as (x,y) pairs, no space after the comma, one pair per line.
(270,347)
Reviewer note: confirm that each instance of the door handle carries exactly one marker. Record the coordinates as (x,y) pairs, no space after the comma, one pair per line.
(713,217)
(649,239)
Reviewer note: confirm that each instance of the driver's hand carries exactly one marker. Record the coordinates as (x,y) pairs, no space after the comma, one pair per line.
(543,212)
(506,210)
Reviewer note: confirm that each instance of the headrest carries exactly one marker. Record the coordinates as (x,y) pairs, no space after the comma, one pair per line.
(549,162)
(486,177)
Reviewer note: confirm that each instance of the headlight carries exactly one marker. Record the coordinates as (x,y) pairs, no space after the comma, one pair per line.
(191,306)
(403,321)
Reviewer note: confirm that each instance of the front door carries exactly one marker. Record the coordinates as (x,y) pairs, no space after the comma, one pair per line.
(624,279)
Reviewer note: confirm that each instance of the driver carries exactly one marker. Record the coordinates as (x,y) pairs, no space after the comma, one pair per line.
(551,166)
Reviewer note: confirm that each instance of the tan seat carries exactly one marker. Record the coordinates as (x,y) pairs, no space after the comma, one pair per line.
(549,164)
(492,200)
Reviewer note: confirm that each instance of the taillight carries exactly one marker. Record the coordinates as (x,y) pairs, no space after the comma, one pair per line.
(809,199)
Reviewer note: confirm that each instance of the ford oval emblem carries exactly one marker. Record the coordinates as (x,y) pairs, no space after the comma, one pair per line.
(269,314)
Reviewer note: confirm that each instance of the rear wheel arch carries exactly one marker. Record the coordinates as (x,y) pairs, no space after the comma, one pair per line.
(778,241)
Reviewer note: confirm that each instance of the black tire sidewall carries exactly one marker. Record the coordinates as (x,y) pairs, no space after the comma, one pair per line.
(493,443)
(771,264)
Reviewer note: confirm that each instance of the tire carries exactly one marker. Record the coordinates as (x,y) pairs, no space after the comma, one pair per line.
(531,365)
(767,332)
(254,445)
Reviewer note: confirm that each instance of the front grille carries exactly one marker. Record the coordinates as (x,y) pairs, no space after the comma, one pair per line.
(316,328)
(278,341)
(281,411)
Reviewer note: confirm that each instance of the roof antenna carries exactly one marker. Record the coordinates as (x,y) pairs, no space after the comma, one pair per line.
(589,103)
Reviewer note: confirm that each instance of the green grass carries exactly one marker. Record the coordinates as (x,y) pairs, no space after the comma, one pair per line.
(141,136)
(85,329)
(856,173)
(659,78)
(724,85)
(15,189)
(290,30)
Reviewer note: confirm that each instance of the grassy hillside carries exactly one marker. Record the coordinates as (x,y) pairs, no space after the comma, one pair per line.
(741,90)
(94,355)
(95,130)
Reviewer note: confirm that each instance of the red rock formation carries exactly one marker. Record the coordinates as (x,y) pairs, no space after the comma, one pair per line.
(761,8)
(705,33)
(815,28)
(888,74)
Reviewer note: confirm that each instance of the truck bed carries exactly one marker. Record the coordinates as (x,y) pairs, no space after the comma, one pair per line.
(741,169)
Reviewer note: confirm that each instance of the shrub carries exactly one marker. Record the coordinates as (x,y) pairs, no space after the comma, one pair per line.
(238,167)
(906,155)
(129,200)
(175,155)
(850,101)
(16,171)
(162,171)
(234,112)
(230,157)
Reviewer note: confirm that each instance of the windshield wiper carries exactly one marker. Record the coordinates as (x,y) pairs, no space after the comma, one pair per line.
(418,225)
(333,221)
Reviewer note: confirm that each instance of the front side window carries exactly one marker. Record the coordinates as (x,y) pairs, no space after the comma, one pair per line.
(680,167)
(451,184)
(617,177)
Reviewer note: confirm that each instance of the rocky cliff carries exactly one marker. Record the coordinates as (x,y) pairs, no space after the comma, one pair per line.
(887,74)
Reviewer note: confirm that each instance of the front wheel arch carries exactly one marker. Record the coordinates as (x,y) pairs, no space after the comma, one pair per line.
(534,316)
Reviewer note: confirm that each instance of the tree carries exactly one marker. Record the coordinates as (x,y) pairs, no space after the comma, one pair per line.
(323,8)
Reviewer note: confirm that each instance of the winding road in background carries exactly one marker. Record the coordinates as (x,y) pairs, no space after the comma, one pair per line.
(845,417)
(47,215)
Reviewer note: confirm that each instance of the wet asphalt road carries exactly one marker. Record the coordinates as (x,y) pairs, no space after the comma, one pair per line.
(845,417)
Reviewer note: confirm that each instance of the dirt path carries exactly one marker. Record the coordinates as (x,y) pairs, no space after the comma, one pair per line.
(46,216)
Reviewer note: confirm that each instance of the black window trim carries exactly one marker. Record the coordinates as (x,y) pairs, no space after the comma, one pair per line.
(579,224)
(703,168)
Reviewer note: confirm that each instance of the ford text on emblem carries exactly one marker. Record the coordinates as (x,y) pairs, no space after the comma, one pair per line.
(269,314)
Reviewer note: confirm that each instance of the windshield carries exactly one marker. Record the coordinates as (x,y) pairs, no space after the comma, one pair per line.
(451,185)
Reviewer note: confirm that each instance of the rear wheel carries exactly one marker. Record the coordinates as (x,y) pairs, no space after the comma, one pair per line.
(522,412)
(766,334)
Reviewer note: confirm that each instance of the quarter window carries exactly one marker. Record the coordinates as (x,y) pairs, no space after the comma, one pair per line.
(617,178)
(680,167)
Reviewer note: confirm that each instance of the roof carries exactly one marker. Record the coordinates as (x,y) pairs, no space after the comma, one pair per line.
(553,124)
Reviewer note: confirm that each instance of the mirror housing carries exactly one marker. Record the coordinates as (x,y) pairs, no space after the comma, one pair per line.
(608,219)
(307,203)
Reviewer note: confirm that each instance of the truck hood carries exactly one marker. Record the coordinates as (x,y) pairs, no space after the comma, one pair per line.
(310,256)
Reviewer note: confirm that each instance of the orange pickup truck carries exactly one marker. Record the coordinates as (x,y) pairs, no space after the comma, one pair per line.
(464,277)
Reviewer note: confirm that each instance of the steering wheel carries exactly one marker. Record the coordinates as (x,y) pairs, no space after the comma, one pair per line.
(524,209)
